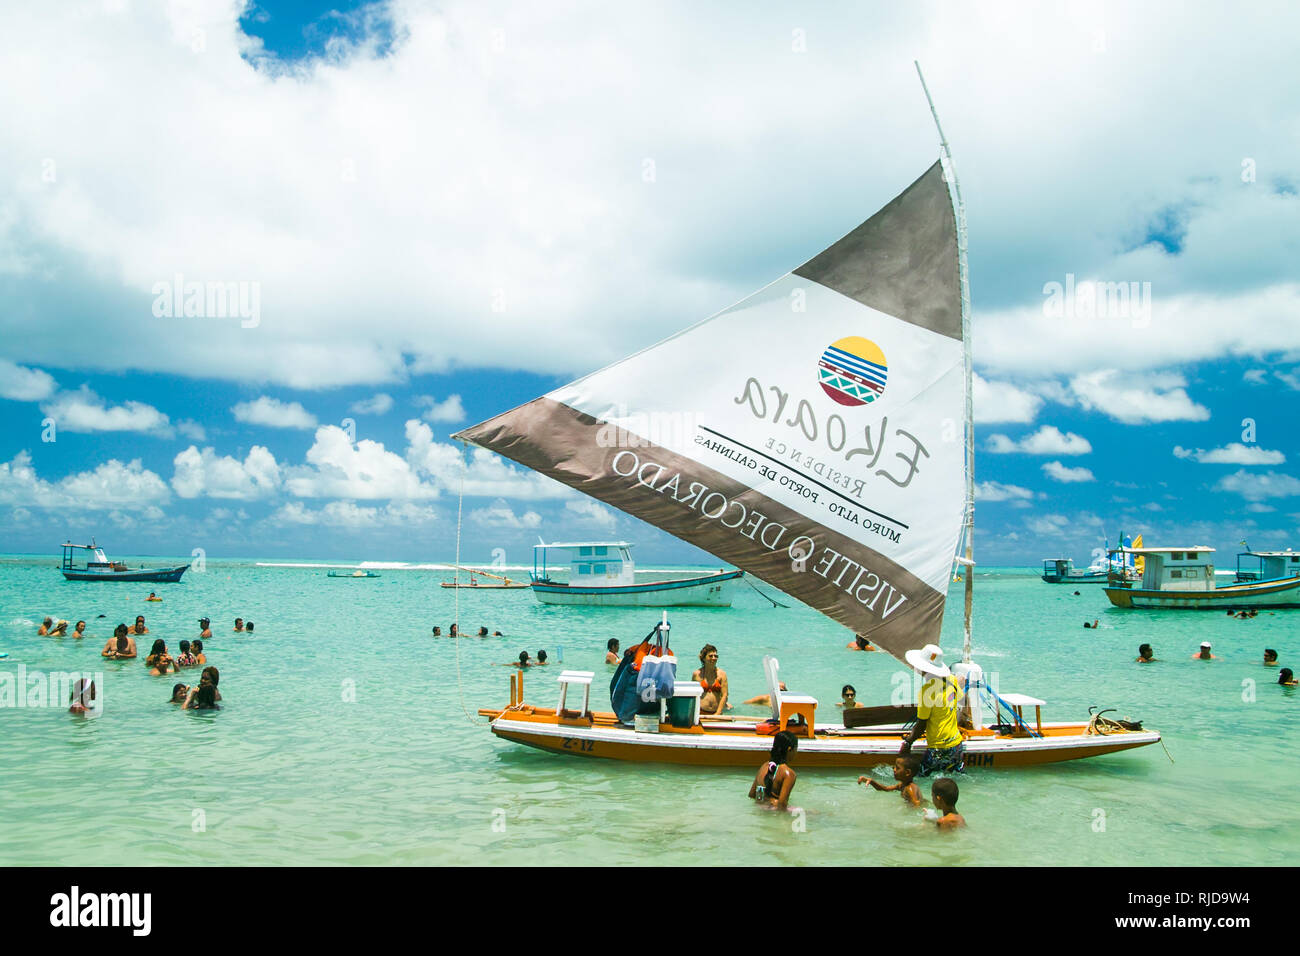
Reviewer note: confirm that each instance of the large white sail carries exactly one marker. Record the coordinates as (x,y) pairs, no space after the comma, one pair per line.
(811,434)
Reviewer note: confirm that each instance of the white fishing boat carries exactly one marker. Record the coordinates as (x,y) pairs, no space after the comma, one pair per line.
(1184,579)
(603,574)
(815,458)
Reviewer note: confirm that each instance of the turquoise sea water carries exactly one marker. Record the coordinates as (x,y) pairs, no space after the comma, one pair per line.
(297,768)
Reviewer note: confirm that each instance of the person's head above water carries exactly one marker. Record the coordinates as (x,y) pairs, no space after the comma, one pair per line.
(523,658)
(541,657)
(185,647)
(159,647)
(1284,676)
(178,693)
(707,651)
(905,768)
(48,621)
(849,691)
(1270,656)
(861,641)
(944,792)
(210,675)
(1144,650)
(248,625)
(612,645)
(783,744)
(196,646)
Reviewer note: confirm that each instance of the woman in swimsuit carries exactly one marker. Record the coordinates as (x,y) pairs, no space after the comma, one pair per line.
(157,652)
(714,681)
(138,627)
(186,659)
(775,780)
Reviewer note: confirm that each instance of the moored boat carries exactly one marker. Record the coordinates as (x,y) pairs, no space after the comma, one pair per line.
(358,573)
(1184,579)
(1062,571)
(603,574)
(498,582)
(100,568)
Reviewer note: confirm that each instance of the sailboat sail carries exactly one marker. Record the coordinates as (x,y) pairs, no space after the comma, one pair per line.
(811,434)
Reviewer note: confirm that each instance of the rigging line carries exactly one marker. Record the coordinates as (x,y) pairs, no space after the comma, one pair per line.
(775,603)
(460,504)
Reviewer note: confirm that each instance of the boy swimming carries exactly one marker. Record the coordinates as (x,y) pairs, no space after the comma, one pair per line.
(905,769)
(944,793)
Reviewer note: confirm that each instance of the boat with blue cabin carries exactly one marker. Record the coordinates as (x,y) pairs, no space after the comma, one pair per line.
(1062,571)
(603,574)
(102,569)
(1185,578)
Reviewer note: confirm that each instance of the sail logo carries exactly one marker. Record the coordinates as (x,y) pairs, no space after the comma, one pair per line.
(852,371)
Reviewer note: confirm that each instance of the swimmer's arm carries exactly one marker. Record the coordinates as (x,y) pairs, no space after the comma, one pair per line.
(950,821)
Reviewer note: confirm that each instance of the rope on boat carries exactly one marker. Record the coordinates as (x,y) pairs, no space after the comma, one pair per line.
(460,504)
(775,602)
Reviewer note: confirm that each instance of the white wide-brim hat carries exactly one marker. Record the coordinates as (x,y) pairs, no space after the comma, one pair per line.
(928,660)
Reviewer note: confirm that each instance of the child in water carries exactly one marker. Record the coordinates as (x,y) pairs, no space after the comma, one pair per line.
(944,793)
(1286,678)
(905,770)
(1145,654)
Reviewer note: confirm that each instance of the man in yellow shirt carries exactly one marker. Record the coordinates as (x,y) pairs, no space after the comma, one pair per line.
(936,713)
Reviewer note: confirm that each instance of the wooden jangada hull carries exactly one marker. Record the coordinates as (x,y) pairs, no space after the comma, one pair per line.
(737,744)
(1260,594)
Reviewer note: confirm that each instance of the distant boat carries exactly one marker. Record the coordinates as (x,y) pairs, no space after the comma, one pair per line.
(602,574)
(353,574)
(102,569)
(1062,571)
(506,583)
(1184,578)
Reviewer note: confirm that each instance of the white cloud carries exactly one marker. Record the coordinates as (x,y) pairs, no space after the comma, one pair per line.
(84,411)
(192,430)
(348,514)
(111,485)
(586,511)
(21,384)
(1135,400)
(1255,376)
(1254,486)
(274,413)
(1048,440)
(500,515)
(449,410)
(996,491)
(336,468)
(1059,472)
(998,402)
(1232,454)
(205,473)
(376,405)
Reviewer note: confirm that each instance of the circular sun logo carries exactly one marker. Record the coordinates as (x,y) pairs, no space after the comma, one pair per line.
(852,371)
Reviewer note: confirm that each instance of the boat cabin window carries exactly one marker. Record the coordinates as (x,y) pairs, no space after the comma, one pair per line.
(1176,556)
(1192,573)
(1175,573)
(597,569)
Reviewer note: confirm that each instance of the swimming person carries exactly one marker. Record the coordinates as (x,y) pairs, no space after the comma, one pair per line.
(453,631)
(1286,678)
(1204,653)
(1145,654)
(203,697)
(162,666)
(205,629)
(765,700)
(153,597)
(138,627)
(860,643)
(159,649)
(248,627)
(1270,657)
(186,658)
(944,793)
(611,651)
(1093,624)
(239,625)
(905,771)
(196,648)
(80,630)
(936,713)
(44,629)
(775,780)
(482,632)
(848,697)
(120,645)
(211,676)
(523,659)
(714,681)
(179,693)
(83,697)
(60,629)
(541,658)
(437,631)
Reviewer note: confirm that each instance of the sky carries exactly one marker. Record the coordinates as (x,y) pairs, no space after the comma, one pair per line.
(420,215)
